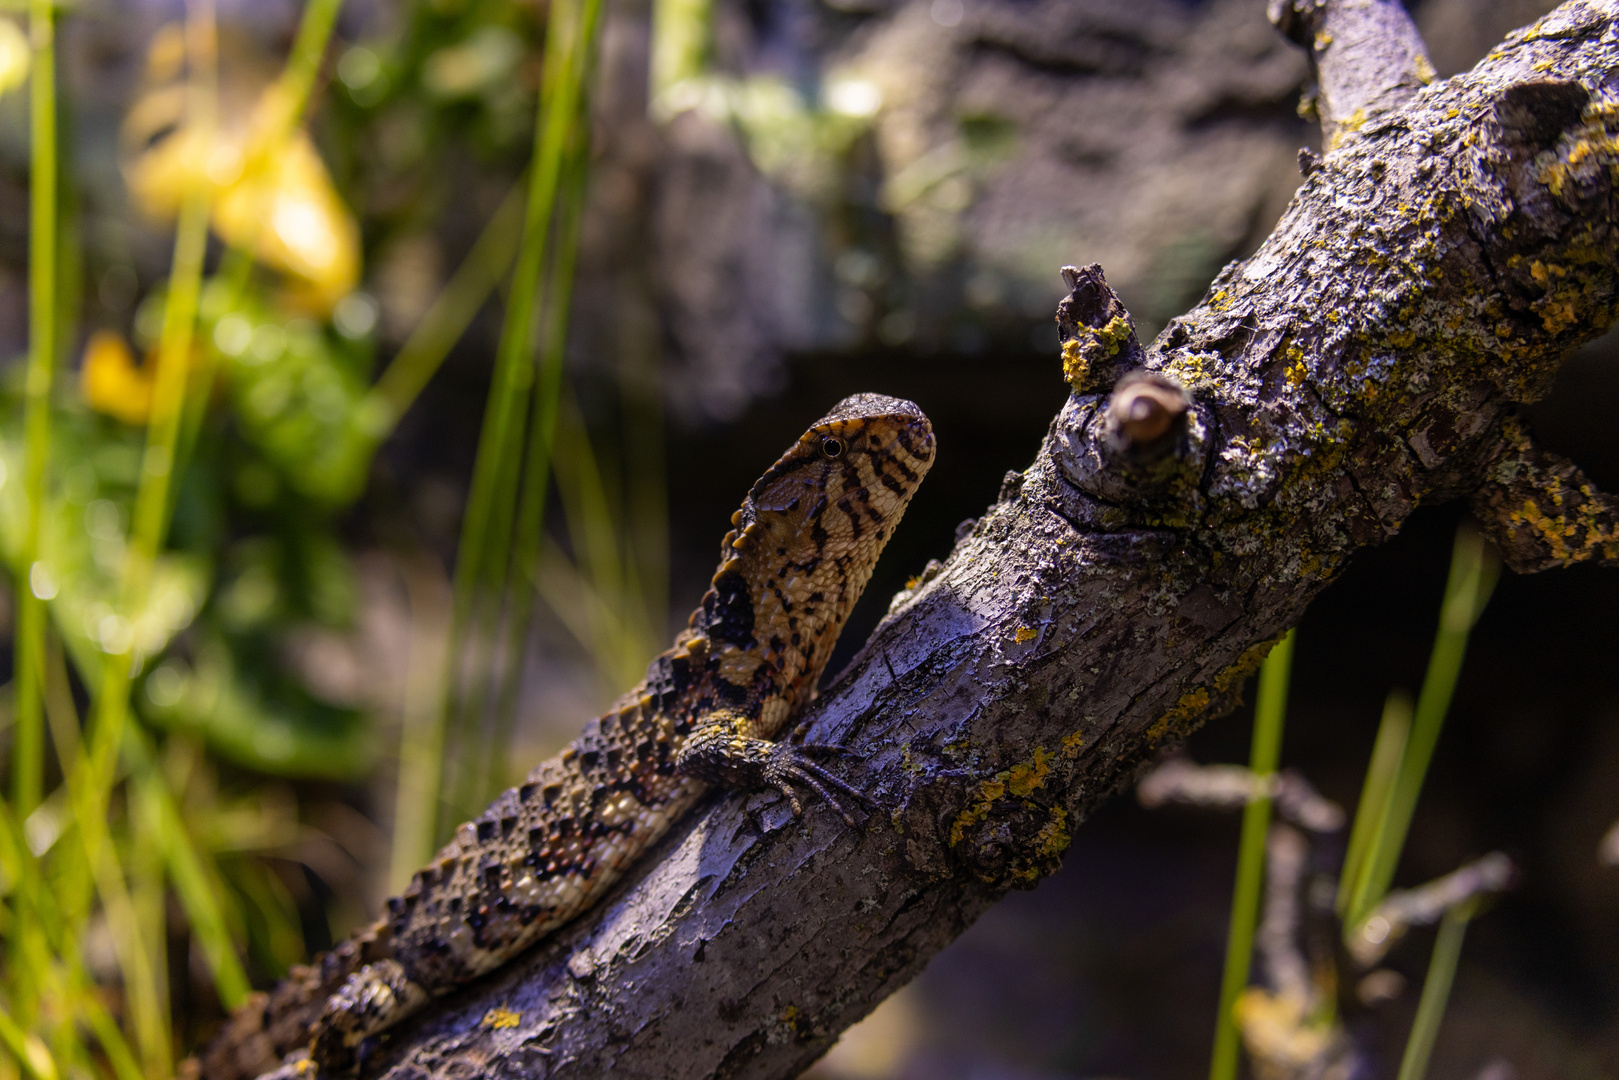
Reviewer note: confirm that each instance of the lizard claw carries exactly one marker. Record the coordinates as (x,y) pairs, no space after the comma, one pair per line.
(821,749)
(789,765)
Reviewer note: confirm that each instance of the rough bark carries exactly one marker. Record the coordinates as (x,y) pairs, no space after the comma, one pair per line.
(1438,262)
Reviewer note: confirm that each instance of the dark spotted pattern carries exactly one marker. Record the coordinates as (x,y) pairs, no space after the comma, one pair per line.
(800,552)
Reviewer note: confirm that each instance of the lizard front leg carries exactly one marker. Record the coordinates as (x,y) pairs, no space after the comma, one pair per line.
(724,751)
(370,1000)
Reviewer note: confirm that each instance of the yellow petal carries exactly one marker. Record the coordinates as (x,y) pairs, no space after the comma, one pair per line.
(288,213)
(271,193)
(111,382)
(14,56)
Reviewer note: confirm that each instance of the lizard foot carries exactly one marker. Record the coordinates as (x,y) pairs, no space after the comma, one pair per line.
(725,752)
(377,996)
(790,764)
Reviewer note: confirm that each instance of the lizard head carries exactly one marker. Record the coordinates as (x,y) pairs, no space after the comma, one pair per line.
(807,537)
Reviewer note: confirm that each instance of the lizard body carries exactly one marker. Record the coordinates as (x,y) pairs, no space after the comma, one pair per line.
(801,550)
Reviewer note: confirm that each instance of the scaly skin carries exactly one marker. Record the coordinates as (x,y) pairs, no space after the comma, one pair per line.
(801,551)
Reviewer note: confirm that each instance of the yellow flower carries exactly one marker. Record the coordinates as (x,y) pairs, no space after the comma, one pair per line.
(270,192)
(110,380)
(287,212)
(14,56)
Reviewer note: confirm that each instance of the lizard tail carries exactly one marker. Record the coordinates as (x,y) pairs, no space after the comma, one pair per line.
(267,1027)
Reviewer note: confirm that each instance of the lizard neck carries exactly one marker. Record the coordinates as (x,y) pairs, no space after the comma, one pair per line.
(801,551)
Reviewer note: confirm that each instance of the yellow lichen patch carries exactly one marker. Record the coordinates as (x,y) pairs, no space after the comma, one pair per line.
(1049,843)
(1594,140)
(499,1018)
(1425,70)
(1296,371)
(1196,701)
(1558,316)
(1082,353)
(1542,273)
(1075,370)
(1021,780)
(1356,121)
(1569,537)
(1191,704)
(1071,744)
(1323,41)
(1025,633)
(1025,778)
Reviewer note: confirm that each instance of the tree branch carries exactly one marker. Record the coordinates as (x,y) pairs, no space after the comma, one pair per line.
(1541,510)
(1368,58)
(1428,277)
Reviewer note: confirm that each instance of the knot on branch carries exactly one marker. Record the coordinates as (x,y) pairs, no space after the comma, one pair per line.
(1144,422)
(1099,340)
(1140,453)
(1297,20)
(1532,116)
(1008,841)
(1146,444)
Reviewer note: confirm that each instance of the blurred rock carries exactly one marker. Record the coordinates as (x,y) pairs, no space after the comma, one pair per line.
(998,141)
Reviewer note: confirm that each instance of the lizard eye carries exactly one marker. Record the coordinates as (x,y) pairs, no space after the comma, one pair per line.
(831,448)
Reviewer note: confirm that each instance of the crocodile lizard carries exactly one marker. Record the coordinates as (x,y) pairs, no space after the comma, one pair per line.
(800,551)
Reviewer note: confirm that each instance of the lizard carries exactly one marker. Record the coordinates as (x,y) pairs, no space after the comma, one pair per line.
(708,715)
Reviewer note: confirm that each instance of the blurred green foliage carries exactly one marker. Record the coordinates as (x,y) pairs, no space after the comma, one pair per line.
(174,509)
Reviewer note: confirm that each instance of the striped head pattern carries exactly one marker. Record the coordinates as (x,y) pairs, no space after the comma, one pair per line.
(804,545)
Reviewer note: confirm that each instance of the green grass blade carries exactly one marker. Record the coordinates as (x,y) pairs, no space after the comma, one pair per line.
(482,555)
(1270,711)
(28,1051)
(36,931)
(1447,952)
(303,63)
(28,742)
(141,860)
(573,144)
(29,629)
(152,503)
(448,317)
(537,464)
(1473,571)
(1372,810)
(147,997)
(193,880)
